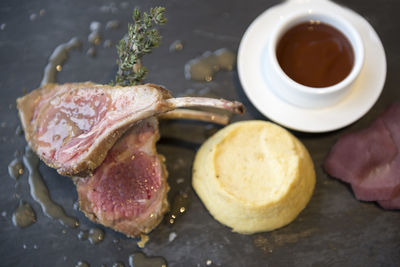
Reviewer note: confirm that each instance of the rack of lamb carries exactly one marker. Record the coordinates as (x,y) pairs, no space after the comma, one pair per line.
(104,137)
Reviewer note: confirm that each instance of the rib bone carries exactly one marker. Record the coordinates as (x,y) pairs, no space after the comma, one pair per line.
(198,115)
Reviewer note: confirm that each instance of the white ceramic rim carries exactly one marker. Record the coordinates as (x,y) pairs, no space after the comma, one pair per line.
(338,23)
(364,93)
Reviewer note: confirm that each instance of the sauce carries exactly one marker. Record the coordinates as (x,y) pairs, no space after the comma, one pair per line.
(117,245)
(91,52)
(118,264)
(40,193)
(315,54)
(57,58)
(107,43)
(83,235)
(138,259)
(15,168)
(94,235)
(82,264)
(94,37)
(24,215)
(18,131)
(204,67)
(261,242)
(177,45)
(172,236)
(179,206)
(112,25)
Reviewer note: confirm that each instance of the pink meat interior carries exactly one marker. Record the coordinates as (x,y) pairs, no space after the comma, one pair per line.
(125,184)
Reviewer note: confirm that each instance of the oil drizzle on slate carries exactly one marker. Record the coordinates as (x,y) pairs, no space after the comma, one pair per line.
(112,25)
(82,264)
(40,192)
(179,206)
(83,235)
(204,67)
(15,168)
(24,215)
(138,259)
(57,58)
(118,264)
(176,46)
(19,131)
(95,235)
(94,37)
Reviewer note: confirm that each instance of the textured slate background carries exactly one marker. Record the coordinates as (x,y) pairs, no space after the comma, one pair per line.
(334,229)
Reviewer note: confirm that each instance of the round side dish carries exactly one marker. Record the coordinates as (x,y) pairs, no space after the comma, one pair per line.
(253,176)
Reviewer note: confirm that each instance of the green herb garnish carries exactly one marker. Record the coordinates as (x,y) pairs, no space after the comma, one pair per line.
(142,37)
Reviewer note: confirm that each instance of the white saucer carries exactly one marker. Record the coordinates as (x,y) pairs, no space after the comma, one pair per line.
(362,97)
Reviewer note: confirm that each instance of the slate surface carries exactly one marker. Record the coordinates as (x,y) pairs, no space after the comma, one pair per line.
(334,229)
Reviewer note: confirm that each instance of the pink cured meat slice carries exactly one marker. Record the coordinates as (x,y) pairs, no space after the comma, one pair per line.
(370,160)
(128,190)
(391,204)
(356,154)
(382,183)
(391,117)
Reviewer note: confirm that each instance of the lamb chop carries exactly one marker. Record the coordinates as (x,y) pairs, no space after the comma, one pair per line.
(128,190)
(72,126)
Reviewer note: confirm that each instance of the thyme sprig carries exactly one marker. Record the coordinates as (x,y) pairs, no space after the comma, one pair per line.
(141,39)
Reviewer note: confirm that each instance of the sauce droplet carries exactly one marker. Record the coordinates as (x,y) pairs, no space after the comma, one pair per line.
(18,130)
(24,215)
(107,43)
(118,264)
(94,38)
(82,264)
(112,24)
(179,206)
(176,46)
(83,235)
(91,52)
(172,236)
(15,168)
(138,259)
(204,67)
(96,235)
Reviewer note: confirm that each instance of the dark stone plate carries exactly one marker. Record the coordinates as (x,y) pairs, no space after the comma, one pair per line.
(333,230)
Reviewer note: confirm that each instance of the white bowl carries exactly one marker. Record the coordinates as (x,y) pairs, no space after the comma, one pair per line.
(305,96)
(252,65)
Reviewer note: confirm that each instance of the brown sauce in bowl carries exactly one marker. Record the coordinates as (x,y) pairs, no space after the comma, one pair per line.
(315,54)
